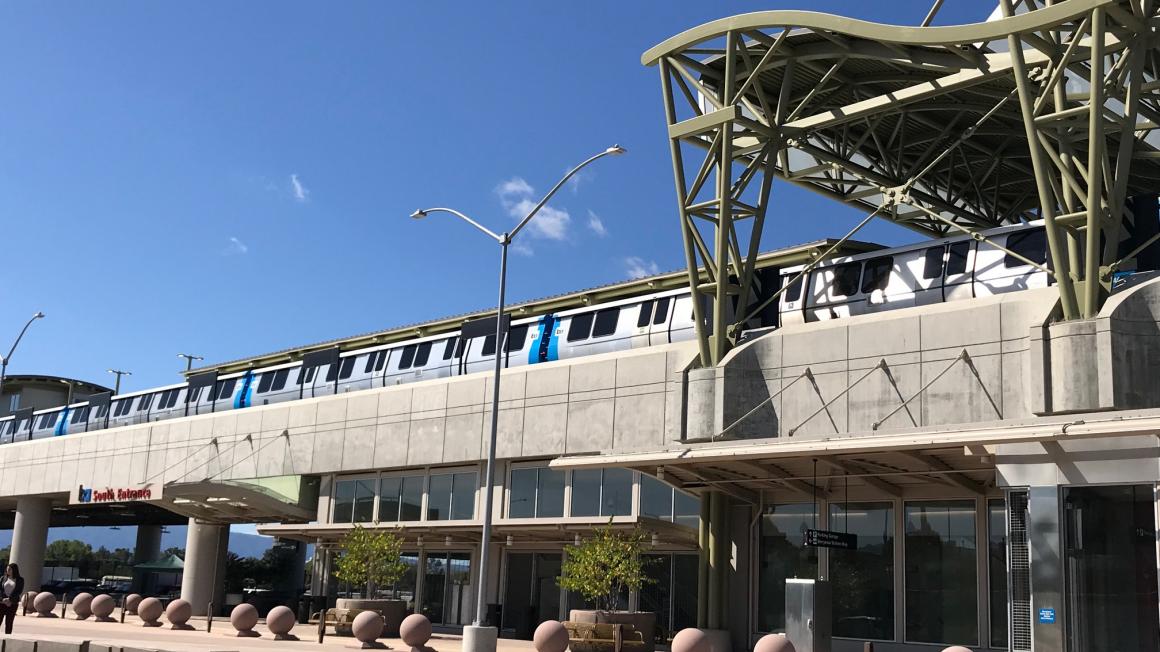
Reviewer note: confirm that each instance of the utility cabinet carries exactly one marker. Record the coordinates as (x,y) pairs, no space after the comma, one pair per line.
(808,615)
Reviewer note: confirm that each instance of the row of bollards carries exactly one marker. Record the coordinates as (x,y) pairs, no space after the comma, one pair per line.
(552,636)
(367,627)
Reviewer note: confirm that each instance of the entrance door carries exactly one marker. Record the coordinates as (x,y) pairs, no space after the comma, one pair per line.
(531,594)
(447,588)
(1110,546)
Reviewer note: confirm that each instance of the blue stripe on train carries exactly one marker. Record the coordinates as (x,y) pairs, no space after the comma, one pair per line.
(62,425)
(245,393)
(553,342)
(544,350)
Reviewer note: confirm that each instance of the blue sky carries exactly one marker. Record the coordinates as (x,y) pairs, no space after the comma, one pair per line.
(230,179)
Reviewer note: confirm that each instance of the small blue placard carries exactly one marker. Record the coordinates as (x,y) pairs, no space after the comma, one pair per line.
(1047,616)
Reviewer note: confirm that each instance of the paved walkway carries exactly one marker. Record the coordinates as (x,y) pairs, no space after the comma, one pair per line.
(222,639)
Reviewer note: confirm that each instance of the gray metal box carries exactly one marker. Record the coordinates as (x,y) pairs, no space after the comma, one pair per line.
(808,615)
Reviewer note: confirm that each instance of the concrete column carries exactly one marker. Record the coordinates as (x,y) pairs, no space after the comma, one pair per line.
(148,547)
(203,581)
(30,538)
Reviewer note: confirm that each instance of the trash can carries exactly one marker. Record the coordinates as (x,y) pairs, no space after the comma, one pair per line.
(304,609)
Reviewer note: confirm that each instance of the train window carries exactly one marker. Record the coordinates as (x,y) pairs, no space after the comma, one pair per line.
(932,265)
(581,327)
(488,345)
(1031,245)
(280,378)
(846,279)
(370,362)
(877,274)
(265,382)
(102,411)
(449,349)
(662,312)
(957,258)
(145,401)
(794,291)
(408,357)
(645,315)
(423,354)
(225,389)
(193,396)
(381,360)
(375,361)
(47,420)
(515,338)
(605,323)
(79,415)
(346,368)
(306,375)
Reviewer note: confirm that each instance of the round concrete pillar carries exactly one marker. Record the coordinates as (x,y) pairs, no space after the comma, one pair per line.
(148,547)
(30,538)
(206,545)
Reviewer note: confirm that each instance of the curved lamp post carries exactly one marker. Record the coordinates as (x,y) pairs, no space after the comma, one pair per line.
(504,239)
(189,358)
(5,359)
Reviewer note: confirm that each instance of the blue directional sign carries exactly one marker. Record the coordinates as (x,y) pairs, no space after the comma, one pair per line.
(1047,616)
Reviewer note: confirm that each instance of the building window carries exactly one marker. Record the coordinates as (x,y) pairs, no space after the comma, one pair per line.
(354,501)
(601,492)
(663,501)
(997,569)
(941,573)
(862,579)
(672,592)
(451,497)
(783,555)
(401,498)
(536,493)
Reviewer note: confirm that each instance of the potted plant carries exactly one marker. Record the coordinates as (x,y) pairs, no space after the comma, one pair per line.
(603,569)
(371,558)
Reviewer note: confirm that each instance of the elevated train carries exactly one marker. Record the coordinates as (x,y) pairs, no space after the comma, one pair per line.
(929,272)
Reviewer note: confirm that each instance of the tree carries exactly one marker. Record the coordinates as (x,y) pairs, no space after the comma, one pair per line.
(603,566)
(370,557)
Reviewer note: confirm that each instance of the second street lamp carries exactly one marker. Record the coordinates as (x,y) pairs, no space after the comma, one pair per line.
(478,638)
(119,373)
(5,359)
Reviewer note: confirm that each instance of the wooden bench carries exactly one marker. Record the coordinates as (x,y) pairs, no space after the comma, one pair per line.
(600,637)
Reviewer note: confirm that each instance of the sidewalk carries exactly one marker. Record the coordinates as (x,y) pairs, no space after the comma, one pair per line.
(132,634)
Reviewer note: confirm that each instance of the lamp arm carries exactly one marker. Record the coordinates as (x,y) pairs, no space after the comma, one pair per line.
(559,184)
(18,338)
(467,219)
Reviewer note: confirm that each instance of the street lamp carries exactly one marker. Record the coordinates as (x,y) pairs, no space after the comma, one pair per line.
(5,359)
(117,388)
(475,639)
(189,358)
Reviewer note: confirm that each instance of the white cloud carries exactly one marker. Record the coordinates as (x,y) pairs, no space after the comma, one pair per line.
(583,176)
(522,248)
(301,192)
(596,224)
(235,248)
(516,196)
(639,268)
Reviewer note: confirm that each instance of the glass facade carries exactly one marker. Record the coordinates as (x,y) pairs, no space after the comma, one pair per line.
(451,496)
(401,498)
(997,571)
(602,492)
(672,593)
(862,580)
(536,492)
(663,501)
(941,572)
(354,501)
(783,555)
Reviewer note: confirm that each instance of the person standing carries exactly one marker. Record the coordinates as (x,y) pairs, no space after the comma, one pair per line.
(11,588)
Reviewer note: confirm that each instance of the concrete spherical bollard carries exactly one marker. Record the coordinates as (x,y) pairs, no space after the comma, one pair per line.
(44,603)
(280,621)
(82,605)
(102,607)
(550,636)
(178,613)
(956,648)
(691,639)
(415,631)
(149,610)
(243,618)
(367,628)
(774,643)
(131,602)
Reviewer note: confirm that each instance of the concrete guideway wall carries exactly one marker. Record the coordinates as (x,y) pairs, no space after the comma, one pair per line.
(623,401)
(1021,364)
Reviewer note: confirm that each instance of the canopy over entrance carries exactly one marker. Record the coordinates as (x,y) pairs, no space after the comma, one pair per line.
(939,129)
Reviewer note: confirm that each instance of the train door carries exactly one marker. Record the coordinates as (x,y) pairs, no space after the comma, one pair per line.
(659,328)
(835,292)
(959,274)
(927,271)
(886,284)
(640,334)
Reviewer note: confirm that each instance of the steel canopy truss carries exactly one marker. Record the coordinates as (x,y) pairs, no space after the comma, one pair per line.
(939,129)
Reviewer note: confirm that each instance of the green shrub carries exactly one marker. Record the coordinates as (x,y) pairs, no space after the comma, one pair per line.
(370,556)
(603,566)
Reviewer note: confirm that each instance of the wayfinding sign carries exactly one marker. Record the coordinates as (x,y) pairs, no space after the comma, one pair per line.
(96,495)
(831,539)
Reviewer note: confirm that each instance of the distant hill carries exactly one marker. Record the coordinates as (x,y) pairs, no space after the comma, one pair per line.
(241,544)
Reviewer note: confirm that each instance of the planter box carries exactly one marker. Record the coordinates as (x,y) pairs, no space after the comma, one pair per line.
(392,611)
(644,622)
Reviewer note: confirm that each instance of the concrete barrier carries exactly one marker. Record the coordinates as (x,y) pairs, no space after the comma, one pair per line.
(33,645)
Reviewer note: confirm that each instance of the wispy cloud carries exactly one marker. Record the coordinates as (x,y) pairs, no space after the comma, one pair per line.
(637,267)
(522,248)
(516,196)
(596,224)
(581,177)
(301,193)
(235,248)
